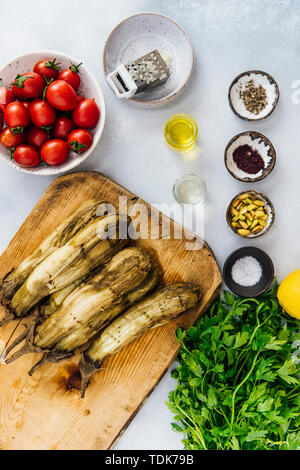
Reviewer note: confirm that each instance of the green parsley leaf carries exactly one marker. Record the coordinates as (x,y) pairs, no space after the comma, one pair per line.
(237,381)
(287,370)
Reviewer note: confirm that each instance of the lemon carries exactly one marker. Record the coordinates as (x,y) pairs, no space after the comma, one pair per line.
(289,294)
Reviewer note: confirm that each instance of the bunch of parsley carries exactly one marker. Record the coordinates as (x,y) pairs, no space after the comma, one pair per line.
(238,377)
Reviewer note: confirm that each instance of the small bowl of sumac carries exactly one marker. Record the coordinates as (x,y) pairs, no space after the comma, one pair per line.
(250,157)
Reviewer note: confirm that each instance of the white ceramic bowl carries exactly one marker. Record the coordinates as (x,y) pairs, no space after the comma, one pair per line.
(89,88)
(141,33)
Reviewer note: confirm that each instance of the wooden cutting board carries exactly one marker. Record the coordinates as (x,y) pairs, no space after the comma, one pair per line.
(39,412)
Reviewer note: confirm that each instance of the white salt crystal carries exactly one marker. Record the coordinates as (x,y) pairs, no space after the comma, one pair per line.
(246,271)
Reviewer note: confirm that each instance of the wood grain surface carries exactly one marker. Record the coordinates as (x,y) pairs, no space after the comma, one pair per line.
(39,412)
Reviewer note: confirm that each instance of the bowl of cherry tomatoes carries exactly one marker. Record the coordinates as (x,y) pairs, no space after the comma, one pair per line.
(52,113)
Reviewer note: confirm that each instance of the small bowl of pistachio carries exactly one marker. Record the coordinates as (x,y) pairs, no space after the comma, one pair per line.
(250,214)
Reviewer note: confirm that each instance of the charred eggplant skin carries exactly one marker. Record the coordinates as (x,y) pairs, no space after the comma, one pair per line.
(127,274)
(126,271)
(51,304)
(83,334)
(155,310)
(91,247)
(84,213)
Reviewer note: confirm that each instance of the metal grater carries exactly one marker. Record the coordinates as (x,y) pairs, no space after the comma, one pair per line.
(142,74)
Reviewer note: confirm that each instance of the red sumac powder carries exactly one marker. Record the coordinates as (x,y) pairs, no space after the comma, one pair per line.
(248,159)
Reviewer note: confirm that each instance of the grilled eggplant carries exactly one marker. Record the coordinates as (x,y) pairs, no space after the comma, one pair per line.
(83,333)
(126,270)
(80,337)
(59,237)
(51,304)
(92,246)
(155,310)
(139,276)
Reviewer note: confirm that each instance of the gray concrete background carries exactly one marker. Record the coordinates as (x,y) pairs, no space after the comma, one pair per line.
(229,36)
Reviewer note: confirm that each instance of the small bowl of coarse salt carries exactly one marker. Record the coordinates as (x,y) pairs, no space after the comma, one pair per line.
(248,272)
(253,95)
(250,157)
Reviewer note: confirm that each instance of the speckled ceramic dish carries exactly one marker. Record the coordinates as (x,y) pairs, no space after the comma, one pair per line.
(89,88)
(142,33)
(270,209)
(267,272)
(239,85)
(258,142)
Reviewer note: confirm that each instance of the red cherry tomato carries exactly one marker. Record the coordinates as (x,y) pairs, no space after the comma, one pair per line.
(31,84)
(62,128)
(42,114)
(61,95)
(16,116)
(6,97)
(55,151)
(80,140)
(80,98)
(18,92)
(47,68)
(37,137)
(27,106)
(10,140)
(27,156)
(71,76)
(86,114)
(1,122)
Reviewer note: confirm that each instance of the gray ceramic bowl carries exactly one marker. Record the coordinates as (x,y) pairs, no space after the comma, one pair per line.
(141,33)
(267,275)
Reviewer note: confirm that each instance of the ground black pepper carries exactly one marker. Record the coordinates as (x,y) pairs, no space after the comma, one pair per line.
(248,159)
(254,97)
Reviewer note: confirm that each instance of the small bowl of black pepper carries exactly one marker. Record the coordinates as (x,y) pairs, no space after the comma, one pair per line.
(253,95)
(250,157)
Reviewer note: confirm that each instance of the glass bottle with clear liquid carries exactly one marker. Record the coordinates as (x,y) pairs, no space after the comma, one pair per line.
(189,189)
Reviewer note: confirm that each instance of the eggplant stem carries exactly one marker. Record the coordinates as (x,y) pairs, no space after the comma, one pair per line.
(9,316)
(28,346)
(50,357)
(87,369)
(18,340)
